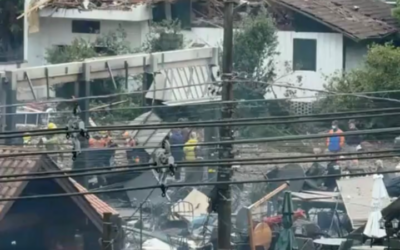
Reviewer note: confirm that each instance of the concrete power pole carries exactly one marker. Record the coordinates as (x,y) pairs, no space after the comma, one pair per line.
(224,173)
(106,243)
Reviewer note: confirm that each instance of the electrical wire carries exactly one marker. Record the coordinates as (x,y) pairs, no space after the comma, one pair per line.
(96,109)
(241,141)
(195,184)
(210,84)
(195,124)
(213,84)
(132,169)
(143,166)
(278,84)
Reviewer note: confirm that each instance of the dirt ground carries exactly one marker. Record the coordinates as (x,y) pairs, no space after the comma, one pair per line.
(247,151)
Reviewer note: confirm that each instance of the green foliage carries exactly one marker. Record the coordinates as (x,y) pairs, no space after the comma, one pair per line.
(79,50)
(110,44)
(254,49)
(396,10)
(11,32)
(380,72)
(164,36)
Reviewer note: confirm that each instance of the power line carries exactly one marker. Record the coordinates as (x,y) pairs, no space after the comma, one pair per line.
(195,184)
(191,104)
(241,141)
(148,166)
(215,84)
(194,124)
(132,169)
(211,84)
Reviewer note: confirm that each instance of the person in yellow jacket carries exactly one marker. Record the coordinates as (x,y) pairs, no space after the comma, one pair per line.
(52,142)
(190,147)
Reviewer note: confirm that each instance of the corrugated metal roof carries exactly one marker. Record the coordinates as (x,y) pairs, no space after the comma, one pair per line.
(184,84)
(152,137)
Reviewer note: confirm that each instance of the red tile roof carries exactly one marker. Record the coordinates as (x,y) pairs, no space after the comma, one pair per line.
(14,165)
(100,206)
(30,164)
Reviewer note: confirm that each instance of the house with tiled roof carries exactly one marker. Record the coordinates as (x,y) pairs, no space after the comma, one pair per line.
(48,223)
(316,37)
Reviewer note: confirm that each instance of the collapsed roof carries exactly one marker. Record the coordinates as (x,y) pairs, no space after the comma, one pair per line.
(99,4)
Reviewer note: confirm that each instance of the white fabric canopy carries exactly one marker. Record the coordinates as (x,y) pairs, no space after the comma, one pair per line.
(156,244)
(379,199)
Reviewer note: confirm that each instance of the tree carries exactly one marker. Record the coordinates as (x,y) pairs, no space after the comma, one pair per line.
(254,49)
(396,10)
(380,72)
(11,30)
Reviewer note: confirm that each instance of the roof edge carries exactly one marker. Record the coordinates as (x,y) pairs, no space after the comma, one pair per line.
(333,27)
(80,201)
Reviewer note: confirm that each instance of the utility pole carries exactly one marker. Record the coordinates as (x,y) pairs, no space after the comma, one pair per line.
(226,134)
(106,242)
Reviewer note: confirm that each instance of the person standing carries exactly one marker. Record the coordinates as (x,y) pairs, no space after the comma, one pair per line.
(335,143)
(190,150)
(52,143)
(177,152)
(190,147)
(353,140)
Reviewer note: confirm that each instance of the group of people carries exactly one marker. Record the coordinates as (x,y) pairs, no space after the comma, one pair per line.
(338,142)
(188,152)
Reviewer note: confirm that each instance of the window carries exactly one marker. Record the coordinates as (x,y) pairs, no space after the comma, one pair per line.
(305,54)
(87,27)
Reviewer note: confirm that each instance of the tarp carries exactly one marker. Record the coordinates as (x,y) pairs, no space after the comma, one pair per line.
(156,244)
(379,198)
(286,240)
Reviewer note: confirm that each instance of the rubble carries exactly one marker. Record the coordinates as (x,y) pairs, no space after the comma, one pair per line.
(98,4)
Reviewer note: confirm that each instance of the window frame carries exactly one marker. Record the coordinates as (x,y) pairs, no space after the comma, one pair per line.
(299,45)
(92,27)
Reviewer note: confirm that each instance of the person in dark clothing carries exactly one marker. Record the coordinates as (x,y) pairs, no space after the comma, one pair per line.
(353,140)
(176,138)
(333,168)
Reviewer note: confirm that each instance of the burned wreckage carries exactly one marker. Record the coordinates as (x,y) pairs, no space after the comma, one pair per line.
(323,210)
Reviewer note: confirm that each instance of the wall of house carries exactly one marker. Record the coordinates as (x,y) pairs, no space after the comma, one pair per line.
(329,57)
(354,54)
(58,31)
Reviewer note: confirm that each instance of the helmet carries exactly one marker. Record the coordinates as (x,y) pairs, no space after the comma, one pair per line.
(27,138)
(51,126)
(126,135)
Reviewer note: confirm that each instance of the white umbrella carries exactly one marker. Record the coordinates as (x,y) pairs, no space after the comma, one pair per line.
(380,198)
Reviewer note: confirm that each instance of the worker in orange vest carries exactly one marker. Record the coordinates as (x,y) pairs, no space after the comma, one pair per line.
(335,143)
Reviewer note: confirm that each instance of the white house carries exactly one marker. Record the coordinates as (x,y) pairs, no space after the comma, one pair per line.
(59,23)
(324,37)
